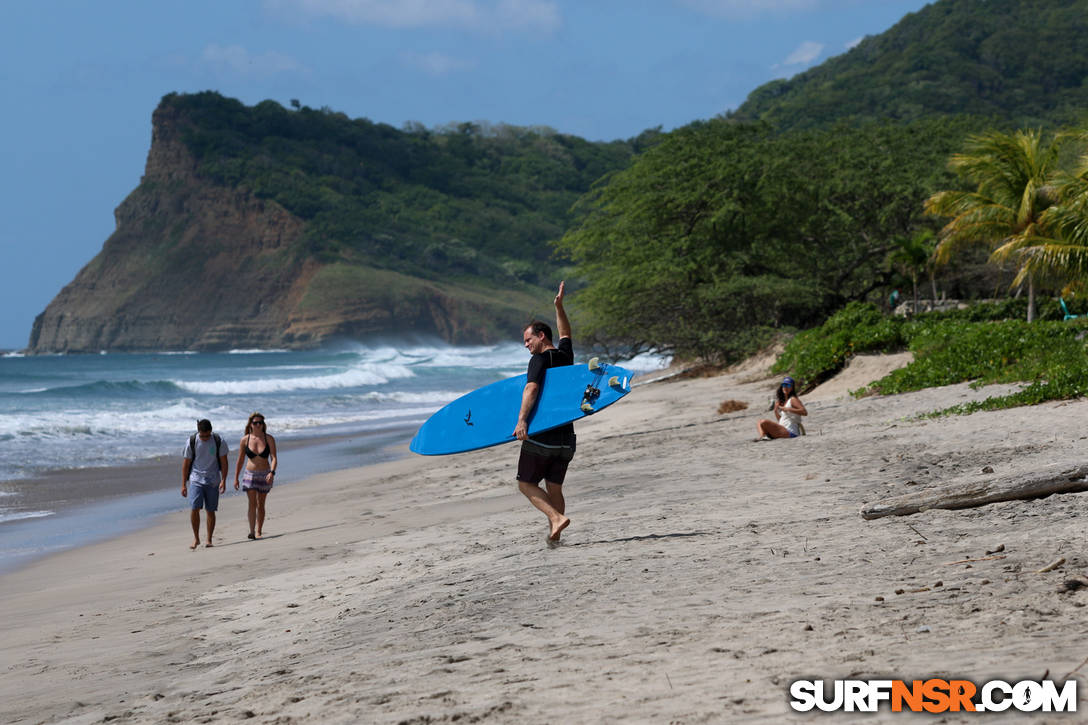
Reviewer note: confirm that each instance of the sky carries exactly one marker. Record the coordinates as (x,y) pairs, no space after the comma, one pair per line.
(80,79)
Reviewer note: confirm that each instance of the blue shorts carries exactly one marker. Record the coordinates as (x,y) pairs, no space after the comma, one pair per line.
(203,496)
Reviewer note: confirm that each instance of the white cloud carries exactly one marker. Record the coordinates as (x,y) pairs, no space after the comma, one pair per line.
(529,14)
(855,42)
(391,13)
(436,64)
(237,60)
(745,8)
(805,53)
(540,15)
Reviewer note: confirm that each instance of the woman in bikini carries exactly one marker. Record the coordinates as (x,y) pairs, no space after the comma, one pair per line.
(260,470)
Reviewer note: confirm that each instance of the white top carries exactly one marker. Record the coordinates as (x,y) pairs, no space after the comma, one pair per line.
(789,421)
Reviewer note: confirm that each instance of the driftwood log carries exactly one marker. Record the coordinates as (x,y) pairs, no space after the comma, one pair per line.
(980,493)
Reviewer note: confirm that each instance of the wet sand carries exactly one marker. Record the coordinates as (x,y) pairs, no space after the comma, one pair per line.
(702,573)
(75,507)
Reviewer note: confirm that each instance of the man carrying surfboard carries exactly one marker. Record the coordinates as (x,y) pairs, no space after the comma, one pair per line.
(545,456)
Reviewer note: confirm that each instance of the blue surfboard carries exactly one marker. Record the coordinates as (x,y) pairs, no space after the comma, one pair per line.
(487,416)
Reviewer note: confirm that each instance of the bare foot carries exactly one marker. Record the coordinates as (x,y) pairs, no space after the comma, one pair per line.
(557,530)
(195,544)
(209,545)
(252,535)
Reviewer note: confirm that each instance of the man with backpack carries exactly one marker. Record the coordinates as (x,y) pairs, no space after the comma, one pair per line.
(203,476)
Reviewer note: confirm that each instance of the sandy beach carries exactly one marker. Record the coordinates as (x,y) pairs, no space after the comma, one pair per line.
(702,574)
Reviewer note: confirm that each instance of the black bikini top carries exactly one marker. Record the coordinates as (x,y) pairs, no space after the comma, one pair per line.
(262,454)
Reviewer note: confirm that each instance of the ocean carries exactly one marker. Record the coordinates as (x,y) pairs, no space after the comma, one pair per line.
(84,439)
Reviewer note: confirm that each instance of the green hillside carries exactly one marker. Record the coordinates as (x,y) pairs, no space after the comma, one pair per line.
(295,227)
(469,200)
(725,233)
(811,196)
(1022,61)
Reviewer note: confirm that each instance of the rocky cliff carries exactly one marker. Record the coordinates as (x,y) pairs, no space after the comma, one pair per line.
(198,265)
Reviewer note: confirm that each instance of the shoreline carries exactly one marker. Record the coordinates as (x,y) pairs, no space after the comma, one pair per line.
(132,496)
(701,575)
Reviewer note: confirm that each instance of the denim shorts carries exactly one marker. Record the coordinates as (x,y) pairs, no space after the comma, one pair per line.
(203,496)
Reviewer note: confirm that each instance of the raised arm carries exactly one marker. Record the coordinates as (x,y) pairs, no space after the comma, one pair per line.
(562,324)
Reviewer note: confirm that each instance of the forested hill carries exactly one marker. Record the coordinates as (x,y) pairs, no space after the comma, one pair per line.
(812,195)
(293,226)
(469,199)
(1023,61)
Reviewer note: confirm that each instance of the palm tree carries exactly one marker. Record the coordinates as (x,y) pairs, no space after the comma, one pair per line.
(1063,250)
(912,256)
(1014,174)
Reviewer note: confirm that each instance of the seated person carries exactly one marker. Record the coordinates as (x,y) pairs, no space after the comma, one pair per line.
(788,408)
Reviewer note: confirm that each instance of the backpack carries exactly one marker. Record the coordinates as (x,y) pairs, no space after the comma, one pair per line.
(218,445)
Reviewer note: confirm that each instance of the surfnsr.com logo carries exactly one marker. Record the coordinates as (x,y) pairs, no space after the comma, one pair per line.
(933,695)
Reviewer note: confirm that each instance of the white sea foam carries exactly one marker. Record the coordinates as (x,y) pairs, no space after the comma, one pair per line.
(18,515)
(355,378)
(109,437)
(483,357)
(254,351)
(127,408)
(71,423)
(439,397)
(646,362)
(306,423)
(495,357)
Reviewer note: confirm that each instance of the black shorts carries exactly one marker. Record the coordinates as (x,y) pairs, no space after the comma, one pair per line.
(539,463)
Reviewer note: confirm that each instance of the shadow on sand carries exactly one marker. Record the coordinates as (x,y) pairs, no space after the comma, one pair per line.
(646,537)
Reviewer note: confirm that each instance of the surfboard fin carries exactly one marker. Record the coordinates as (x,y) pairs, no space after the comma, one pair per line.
(589,397)
(594,363)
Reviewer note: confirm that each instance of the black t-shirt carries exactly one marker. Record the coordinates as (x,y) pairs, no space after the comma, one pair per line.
(563,354)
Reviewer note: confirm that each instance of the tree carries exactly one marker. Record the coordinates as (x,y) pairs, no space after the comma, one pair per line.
(1061,253)
(723,233)
(653,235)
(912,256)
(1014,175)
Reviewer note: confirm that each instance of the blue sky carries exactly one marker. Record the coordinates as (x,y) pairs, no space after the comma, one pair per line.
(80,78)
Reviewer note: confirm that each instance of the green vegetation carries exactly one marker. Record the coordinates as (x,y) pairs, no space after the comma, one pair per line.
(470,201)
(813,201)
(385,294)
(1005,351)
(1021,62)
(381,289)
(815,355)
(1014,175)
(822,194)
(724,234)
(980,344)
